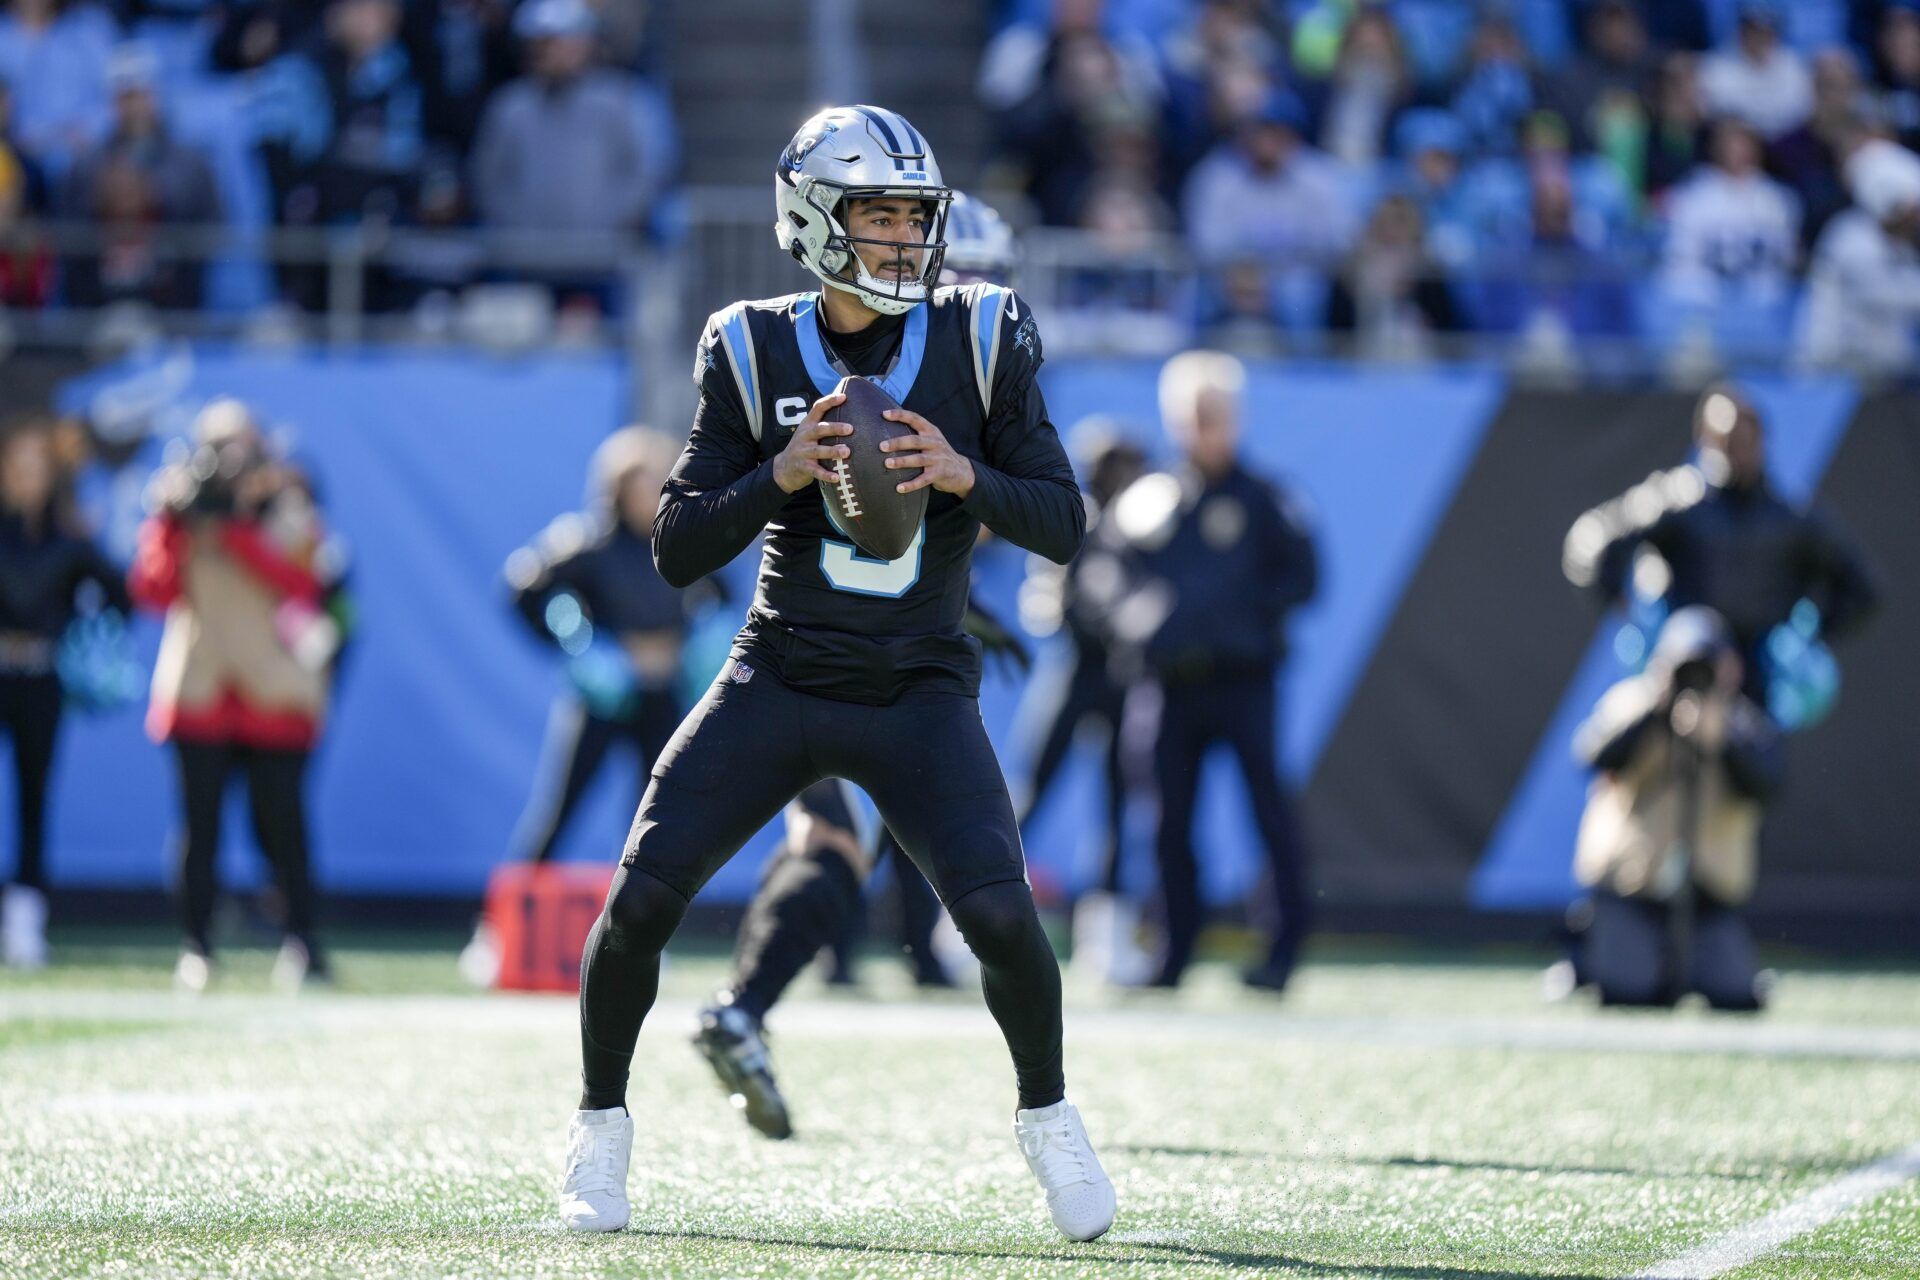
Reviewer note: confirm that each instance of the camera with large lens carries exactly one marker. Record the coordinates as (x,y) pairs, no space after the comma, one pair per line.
(1696,675)
(208,481)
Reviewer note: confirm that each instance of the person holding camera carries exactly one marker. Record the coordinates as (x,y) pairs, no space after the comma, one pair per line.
(235,555)
(47,564)
(1668,847)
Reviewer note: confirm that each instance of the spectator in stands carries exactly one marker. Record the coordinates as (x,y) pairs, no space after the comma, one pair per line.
(1087,89)
(26,263)
(1564,287)
(1390,295)
(1605,93)
(1432,145)
(1808,158)
(570,146)
(1896,72)
(1759,78)
(376,133)
(1218,69)
(1267,193)
(53,56)
(1496,92)
(137,181)
(250,34)
(464,50)
(1355,106)
(1732,232)
(1863,292)
(1677,134)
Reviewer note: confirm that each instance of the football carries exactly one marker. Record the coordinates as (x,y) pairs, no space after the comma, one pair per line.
(864,503)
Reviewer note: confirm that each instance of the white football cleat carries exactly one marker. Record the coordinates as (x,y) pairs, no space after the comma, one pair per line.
(593,1191)
(1079,1194)
(23,927)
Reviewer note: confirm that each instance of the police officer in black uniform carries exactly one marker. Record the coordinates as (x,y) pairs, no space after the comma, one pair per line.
(849,667)
(1221,557)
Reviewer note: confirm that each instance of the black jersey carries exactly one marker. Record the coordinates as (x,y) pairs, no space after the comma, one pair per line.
(827,618)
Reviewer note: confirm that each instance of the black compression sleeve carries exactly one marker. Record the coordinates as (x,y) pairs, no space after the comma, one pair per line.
(716,502)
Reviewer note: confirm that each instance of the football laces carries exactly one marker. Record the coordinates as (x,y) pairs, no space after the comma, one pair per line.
(849,500)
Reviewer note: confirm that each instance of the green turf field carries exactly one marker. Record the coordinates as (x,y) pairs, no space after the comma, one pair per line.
(1397,1115)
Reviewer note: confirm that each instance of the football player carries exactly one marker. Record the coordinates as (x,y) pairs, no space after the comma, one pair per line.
(811,891)
(849,666)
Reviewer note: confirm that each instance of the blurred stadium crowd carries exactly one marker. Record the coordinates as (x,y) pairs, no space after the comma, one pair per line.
(1689,176)
(1569,171)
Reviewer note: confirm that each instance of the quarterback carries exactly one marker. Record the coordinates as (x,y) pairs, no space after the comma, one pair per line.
(849,666)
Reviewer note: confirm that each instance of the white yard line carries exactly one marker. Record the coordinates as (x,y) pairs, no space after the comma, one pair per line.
(811,1017)
(1810,1212)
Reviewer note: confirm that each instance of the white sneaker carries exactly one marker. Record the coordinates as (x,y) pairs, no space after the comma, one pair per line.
(192,974)
(1106,943)
(593,1191)
(1079,1195)
(480,958)
(23,927)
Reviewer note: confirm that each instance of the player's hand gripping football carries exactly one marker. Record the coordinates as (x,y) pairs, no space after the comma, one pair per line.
(814,445)
(940,466)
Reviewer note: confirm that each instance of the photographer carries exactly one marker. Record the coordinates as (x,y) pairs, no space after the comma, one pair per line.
(1669,841)
(236,556)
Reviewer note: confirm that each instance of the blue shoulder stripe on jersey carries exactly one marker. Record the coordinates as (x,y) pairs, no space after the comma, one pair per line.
(986,339)
(746,374)
(813,352)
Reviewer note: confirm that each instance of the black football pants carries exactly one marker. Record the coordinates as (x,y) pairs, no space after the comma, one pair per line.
(749,747)
(1238,713)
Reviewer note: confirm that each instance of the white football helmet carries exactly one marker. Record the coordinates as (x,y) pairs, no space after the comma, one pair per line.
(980,244)
(858,153)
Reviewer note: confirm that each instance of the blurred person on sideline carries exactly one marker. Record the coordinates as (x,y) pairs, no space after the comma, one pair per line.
(237,557)
(1218,559)
(1759,78)
(48,569)
(588,585)
(1715,532)
(1862,308)
(136,181)
(1075,601)
(1684,763)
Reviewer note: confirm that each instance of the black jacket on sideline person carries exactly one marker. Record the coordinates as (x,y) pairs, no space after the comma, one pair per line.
(1745,553)
(42,572)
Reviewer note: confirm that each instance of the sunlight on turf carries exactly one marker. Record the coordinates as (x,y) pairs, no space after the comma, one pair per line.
(400,1127)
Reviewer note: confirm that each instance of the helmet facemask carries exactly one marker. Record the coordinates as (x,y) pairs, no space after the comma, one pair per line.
(839,263)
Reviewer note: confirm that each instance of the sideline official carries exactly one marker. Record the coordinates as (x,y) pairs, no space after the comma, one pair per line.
(1220,557)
